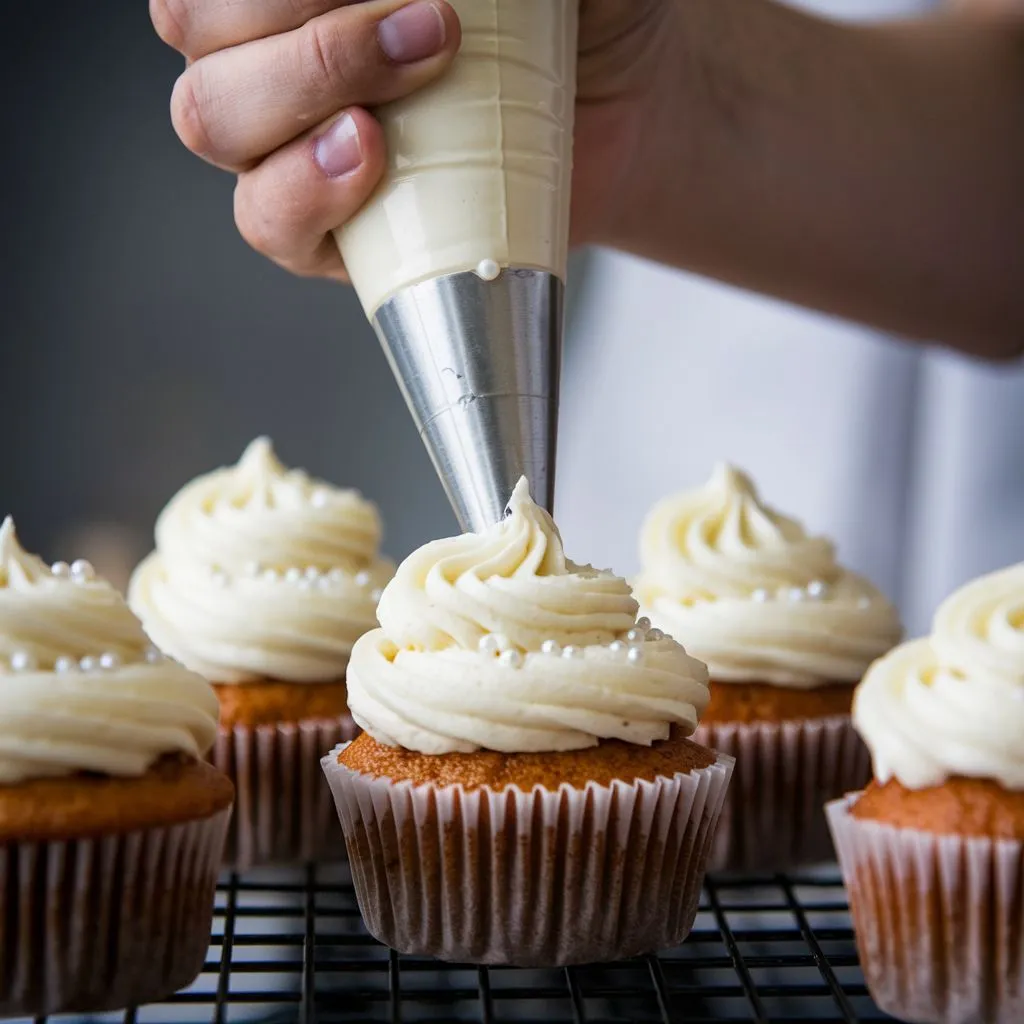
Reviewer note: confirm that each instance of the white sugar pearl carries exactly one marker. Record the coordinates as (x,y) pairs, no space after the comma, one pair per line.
(551,647)
(488,644)
(323,583)
(23,661)
(82,571)
(312,572)
(61,570)
(376,595)
(817,589)
(336,576)
(616,647)
(154,656)
(655,634)
(636,636)
(319,498)
(110,660)
(253,568)
(488,270)
(362,578)
(65,664)
(796,594)
(635,655)
(572,652)
(511,658)
(293,575)
(304,584)
(643,623)
(89,663)
(270,575)
(760,595)
(864,602)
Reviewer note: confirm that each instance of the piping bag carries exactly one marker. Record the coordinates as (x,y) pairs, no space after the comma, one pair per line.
(459,257)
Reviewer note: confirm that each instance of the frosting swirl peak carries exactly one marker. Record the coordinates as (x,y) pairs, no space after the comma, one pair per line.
(262,572)
(753,594)
(953,703)
(81,687)
(497,640)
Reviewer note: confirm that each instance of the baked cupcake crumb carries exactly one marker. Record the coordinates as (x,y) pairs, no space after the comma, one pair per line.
(602,764)
(271,702)
(960,806)
(763,702)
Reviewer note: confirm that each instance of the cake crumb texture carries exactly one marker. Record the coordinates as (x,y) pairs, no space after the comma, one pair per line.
(271,701)
(763,702)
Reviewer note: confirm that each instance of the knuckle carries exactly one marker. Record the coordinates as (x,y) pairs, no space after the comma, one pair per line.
(188,114)
(323,53)
(170,19)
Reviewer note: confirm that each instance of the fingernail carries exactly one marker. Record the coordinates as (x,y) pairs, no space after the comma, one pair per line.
(413,33)
(337,151)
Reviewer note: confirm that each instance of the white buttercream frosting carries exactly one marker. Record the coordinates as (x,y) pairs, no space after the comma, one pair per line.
(953,702)
(497,641)
(262,572)
(81,687)
(751,593)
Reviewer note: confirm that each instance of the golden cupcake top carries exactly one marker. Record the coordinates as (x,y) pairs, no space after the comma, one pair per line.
(262,572)
(952,703)
(82,689)
(751,593)
(498,641)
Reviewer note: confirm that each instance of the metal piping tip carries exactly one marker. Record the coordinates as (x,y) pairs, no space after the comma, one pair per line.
(478,362)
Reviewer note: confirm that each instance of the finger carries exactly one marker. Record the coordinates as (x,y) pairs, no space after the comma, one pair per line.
(286,207)
(235,106)
(196,28)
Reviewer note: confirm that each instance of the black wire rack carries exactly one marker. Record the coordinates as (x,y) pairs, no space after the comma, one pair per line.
(292,947)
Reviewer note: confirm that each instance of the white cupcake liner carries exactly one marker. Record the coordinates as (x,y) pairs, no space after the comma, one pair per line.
(541,878)
(939,919)
(90,925)
(774,817)
(283,812)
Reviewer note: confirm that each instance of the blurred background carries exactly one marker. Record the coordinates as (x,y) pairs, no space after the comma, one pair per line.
(141,343)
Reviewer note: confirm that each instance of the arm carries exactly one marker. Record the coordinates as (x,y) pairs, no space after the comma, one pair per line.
(876,173)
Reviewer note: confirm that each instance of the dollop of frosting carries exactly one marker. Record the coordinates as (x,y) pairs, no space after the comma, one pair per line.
(262,572)
(81,687)
(953,703)
(754,595)
(497,641)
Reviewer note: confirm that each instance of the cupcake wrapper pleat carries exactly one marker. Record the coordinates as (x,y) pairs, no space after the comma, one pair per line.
(100,924)
(547,877)
(939,919)
(283,812)
(774,817)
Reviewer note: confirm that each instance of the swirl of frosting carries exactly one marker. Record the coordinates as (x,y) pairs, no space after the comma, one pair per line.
(952,703)
(753,595)
(497,641)
(81,687)
(261,572)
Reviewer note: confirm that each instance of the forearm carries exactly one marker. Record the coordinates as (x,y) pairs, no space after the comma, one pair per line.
(872,172)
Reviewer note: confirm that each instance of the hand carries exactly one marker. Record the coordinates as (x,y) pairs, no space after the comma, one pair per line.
(276,91)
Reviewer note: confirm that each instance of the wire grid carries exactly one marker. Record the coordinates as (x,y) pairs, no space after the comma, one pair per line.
(292,947)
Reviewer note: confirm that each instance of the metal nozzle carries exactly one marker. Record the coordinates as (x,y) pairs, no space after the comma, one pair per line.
(478,364)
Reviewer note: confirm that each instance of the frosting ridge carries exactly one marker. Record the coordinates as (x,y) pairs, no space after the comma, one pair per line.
(81,686)
(952,703)
(498,641)
(753,594)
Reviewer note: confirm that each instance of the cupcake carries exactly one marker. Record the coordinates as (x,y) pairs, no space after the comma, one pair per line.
(525,791)
(262,580)
(786,633)
(932,851)
(111,824)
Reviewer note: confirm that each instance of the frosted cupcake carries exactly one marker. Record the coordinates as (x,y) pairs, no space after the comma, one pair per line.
(786,633)
(262,580)
(933,851)
(111,824)
(525,791)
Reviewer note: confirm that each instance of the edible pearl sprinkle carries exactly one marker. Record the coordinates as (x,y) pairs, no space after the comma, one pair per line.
(270,575)
(817,589)
(89,663)
(635,655)
(61,570)
(488,644)
(572,652)
(293,575)
(488,270)
(23,661)
(512,658)
(864,602)
(312,572)
(110,660)
(636,636)
(643,623)
(655,634)
(324,583)
(153,655)
(253,568)
(82,571)
(376,595)
(551,647)
(336,576)
(319,498)
(616,647)
(796,594)
(760,595)
(65,664)
(362,578)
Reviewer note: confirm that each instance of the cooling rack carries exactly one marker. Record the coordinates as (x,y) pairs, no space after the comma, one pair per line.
(292,947)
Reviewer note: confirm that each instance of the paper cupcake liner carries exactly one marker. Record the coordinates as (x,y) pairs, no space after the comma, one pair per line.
(540,878)
(774,816)
(939,919)
(99,924)
(283,812)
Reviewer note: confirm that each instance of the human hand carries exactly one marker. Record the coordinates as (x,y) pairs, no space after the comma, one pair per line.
(277,91)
